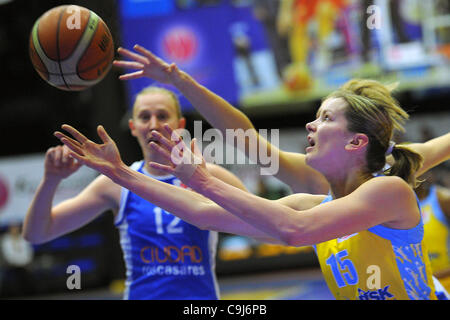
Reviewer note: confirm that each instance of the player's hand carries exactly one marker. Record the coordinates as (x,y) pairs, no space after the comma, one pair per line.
(147,65)
(101,157)
(59,164)
(186,163)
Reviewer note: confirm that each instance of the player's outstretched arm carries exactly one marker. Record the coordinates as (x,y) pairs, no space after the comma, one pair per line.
(292,168)
(43,222)
(291,222)
(434,152)
(186,204)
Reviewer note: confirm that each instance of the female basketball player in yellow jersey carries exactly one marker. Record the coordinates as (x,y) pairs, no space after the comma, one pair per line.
(223,116)
(368,232)
(435,205)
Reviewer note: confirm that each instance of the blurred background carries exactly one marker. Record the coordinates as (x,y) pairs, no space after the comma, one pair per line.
(273,59)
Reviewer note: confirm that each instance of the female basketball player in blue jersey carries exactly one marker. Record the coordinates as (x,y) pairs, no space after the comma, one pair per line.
(368,232)
(166,258)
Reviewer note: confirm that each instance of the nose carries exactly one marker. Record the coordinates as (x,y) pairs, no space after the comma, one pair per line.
(154,123)
(310,126)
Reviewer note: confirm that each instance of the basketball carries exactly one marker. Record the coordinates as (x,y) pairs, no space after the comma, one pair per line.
(71,47)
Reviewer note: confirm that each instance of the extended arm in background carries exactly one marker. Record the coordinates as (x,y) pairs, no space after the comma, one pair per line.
(434,152)
(43,222)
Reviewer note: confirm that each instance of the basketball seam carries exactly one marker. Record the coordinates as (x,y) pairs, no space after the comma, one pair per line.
(87,47)
(42,54)
(80,38)
(40,59)
(76,73)
(57,49)
(39,39)
(43,50)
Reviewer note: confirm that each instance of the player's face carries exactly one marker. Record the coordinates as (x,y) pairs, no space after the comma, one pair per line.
(328,136)
(151,112)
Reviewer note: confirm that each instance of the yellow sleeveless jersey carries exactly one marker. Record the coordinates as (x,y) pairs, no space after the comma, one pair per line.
(437,235)
(377,264)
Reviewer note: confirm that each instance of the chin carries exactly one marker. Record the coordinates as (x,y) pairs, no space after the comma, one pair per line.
(312,161)
(309,159)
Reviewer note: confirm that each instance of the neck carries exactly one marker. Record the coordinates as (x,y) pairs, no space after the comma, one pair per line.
(347,182)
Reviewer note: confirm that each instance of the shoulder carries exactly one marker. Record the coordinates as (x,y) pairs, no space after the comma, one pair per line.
(225,175)
(387,189)
(391,196)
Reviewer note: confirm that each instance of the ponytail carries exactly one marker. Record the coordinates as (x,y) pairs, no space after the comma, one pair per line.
(407,163)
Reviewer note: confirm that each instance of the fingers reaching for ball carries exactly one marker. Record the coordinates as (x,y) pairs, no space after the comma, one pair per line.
(146,63)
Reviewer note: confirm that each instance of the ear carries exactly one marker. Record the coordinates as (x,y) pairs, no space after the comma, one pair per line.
(131,126)
(182,123)
(359,141)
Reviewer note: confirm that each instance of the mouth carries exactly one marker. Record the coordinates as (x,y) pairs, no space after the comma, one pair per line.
(150,140)
(311,142)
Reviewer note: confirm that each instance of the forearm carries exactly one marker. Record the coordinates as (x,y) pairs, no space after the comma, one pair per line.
(38,217)
(185,204)
(221,115)
(268,216)
(217,111)
(235,127)
(434,152)
(181,202)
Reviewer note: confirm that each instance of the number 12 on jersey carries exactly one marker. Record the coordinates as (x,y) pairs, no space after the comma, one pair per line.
(172,226)
(344,271)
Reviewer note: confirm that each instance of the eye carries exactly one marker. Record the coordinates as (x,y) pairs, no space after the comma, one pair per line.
(144,117)
(162,116)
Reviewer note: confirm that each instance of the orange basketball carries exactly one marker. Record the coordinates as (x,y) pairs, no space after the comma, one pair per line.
(71,47)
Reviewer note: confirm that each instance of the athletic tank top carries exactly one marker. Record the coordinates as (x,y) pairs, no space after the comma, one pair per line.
(377,264)
(437,235)
(166,258)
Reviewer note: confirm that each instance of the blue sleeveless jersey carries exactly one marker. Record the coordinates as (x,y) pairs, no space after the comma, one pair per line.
(166,258)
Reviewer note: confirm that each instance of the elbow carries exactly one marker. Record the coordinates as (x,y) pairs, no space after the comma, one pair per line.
(292,241)
(207,224)
(33,239)
(296,241)
(30,239)
(202,226)
(27,236)
(295,238)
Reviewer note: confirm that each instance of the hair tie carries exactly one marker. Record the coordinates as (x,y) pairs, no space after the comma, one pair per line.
(390,148)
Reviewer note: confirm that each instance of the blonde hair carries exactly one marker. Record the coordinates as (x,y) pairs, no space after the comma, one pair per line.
(372,110)
(156,89)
